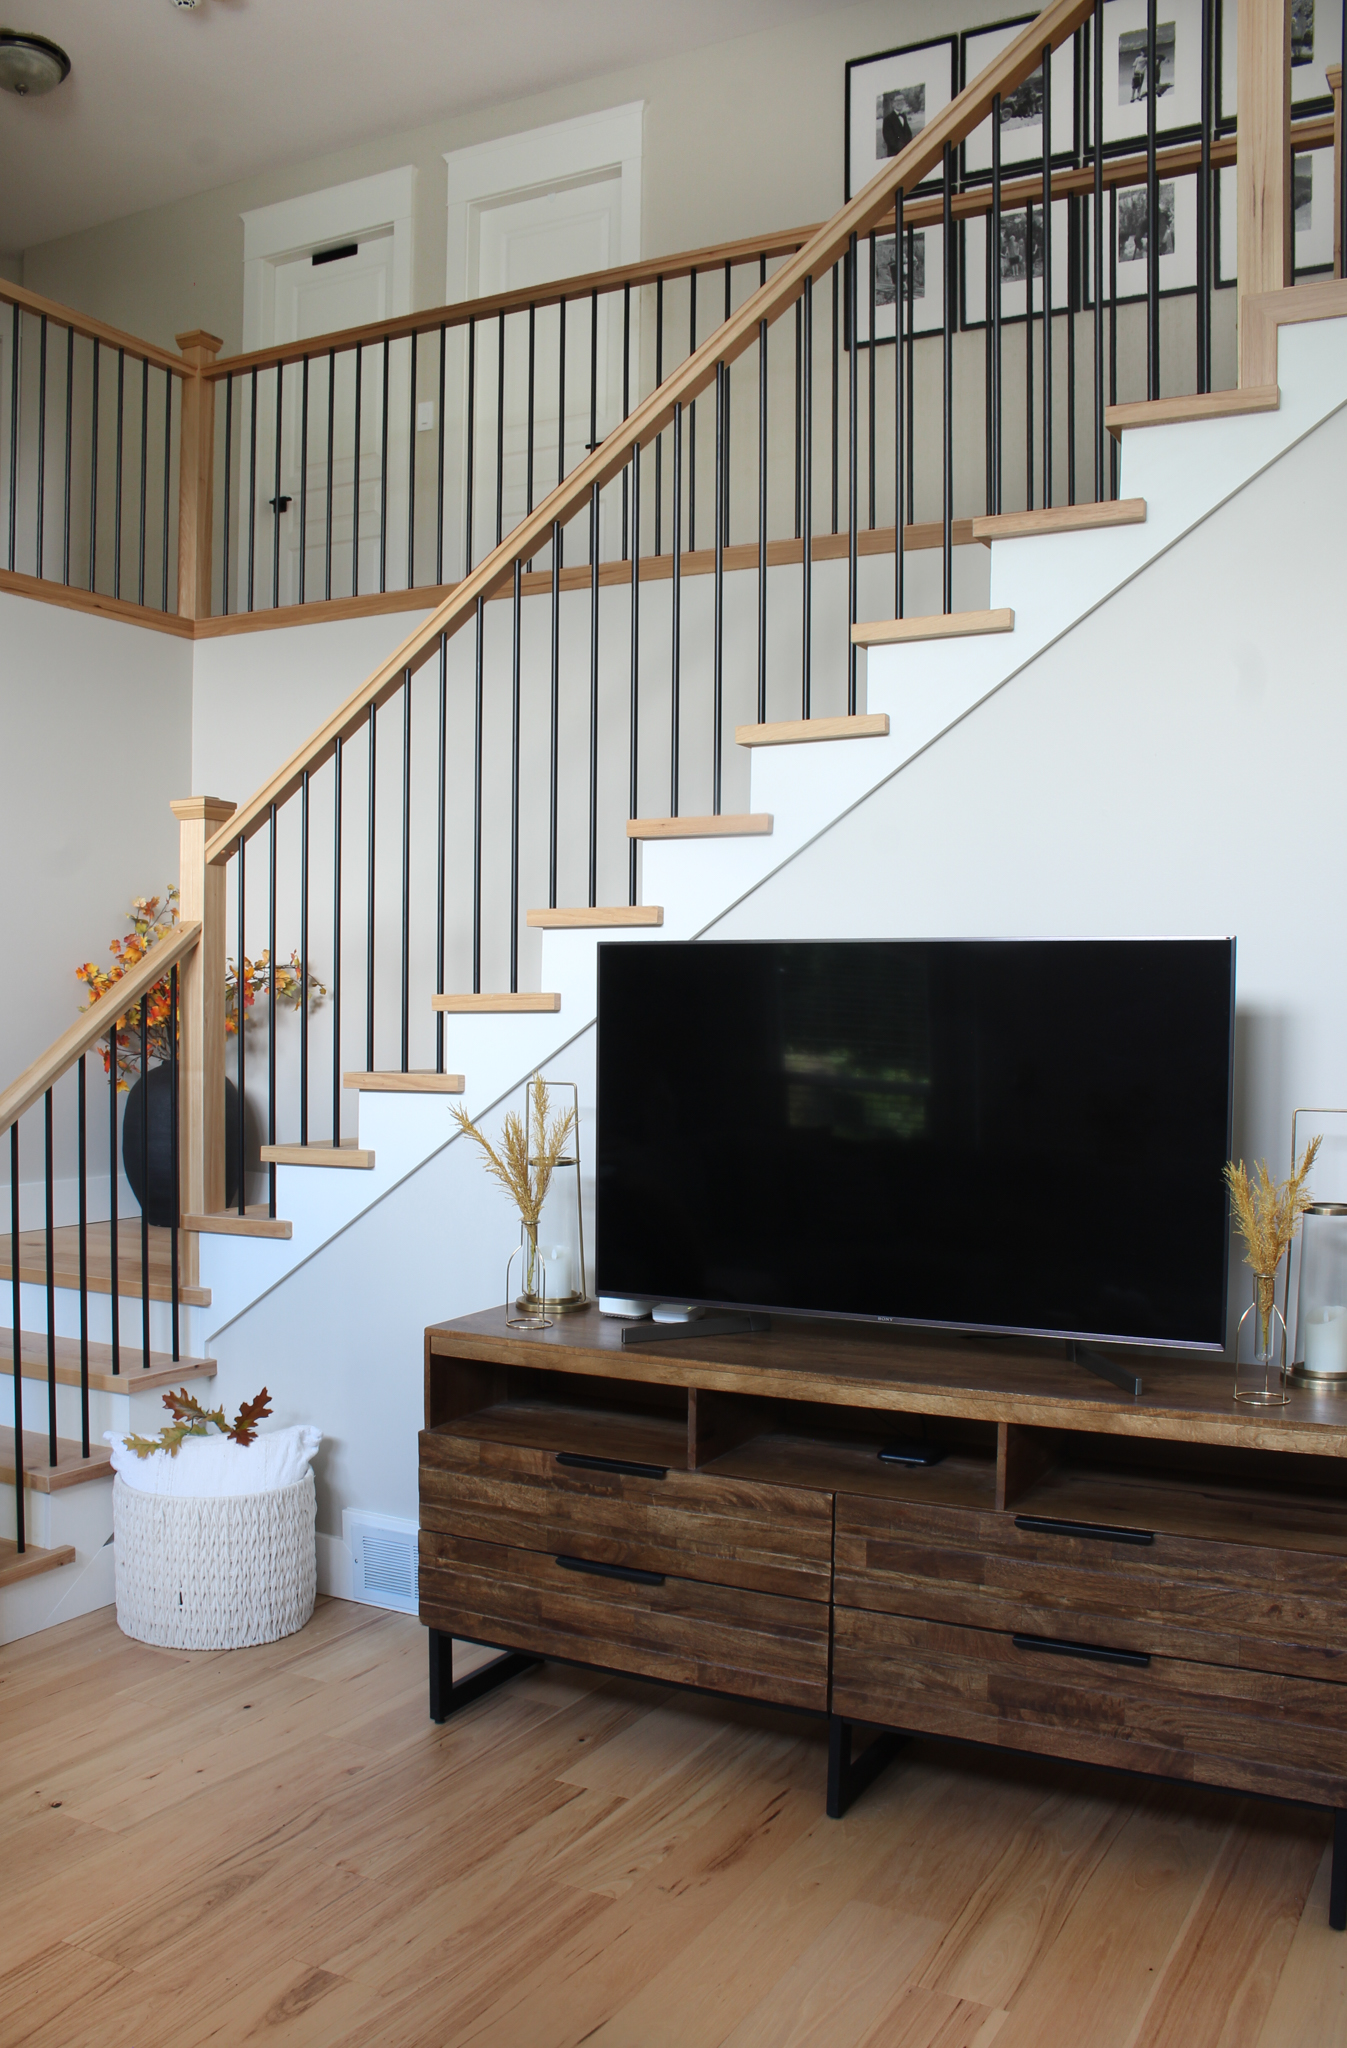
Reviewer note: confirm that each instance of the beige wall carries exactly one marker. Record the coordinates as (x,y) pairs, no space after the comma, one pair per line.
(739,137)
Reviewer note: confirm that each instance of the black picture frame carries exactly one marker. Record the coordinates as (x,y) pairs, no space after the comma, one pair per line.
(1065,108)
(885,73)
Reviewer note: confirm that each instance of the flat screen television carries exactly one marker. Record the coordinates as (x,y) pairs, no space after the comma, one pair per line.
(1018,1136)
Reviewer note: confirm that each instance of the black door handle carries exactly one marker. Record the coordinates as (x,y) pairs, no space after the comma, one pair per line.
(627,1466)
(1055,1647)
(611,1571)
(1100,1532)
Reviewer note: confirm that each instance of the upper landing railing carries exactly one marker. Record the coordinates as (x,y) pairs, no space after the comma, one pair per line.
(352,467)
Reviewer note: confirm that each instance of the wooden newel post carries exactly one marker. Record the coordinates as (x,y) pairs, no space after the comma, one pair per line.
(196,456)
(201,1098)
(1266,241)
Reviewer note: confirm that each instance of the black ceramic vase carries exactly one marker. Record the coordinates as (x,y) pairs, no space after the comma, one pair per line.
(147,1144)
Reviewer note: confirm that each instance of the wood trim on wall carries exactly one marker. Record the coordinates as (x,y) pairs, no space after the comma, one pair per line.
(92,330)
(68,598)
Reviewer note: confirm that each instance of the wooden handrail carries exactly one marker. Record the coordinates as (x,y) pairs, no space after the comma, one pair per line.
(694,374)
(93,330)
(101,1016)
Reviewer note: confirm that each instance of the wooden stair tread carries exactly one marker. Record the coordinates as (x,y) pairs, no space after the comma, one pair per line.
(1201,405)
(162,1370)
(416,1083)
(506,1003)
(611,915)
(318,1152)
(16,1564)
(790,732)
(66,1261)
(933,626)
(254,1222)
(1060,519)
(746,825)
(70,1469)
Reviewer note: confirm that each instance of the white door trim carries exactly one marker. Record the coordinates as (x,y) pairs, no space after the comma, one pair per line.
(610,140)
(294,227)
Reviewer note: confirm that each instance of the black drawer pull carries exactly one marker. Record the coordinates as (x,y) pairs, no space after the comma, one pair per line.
(1138,1659)
(627,1466)
(611,1571)
(1102,1532)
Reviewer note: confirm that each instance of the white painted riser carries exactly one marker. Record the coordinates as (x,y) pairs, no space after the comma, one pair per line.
(33,1313)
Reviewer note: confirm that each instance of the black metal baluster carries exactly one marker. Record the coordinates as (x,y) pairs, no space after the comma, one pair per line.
(554,730)
(1072,308)
(1113,331)
(411,473)
(500,431)
(634,715)
(228,482)
(593,695)
(144,467)
(833,367)
(271,1010)
(168,460)
(558,534)
(304,957)
(870,386)
(853,383)
(477,806)
(1029,358)
(175,1140)
(336,941)
(41,448)
(241,1019)
(82,1168)
(911,376)
(303,475)
(276,493)
(1047,274)
(355,476)
(947,267)
(1097,235)
(144,1213)
(439,469)
(531,411)
(14,472)
(49,1168)
(515,621)
(676,650)
(114,1298)
(15,1333)
(69,446)
(406,867)
(659,438)
(331,432)
(441,769)
(626,408)
(1152,214)
(369,893)
(762,519)
(799,414)
(383,470)
(252,485)
(718,648)
(593,370)
(725,486)
(692,419)
(807,503)
(898,433)
(117,476)
(469,451)
(1204,210)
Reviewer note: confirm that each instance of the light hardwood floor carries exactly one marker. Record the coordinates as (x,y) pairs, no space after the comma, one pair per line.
(276,1846)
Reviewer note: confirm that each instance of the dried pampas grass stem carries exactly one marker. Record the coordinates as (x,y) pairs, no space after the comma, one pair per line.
(530,1148)
(1266,1213)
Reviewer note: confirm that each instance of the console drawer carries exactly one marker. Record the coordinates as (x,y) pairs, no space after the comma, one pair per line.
(1251,1730)
(728,1532)
(1246,1605)
(673,1628)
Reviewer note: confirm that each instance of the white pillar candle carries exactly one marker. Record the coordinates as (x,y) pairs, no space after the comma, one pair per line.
(557,1264)
(1326,1340)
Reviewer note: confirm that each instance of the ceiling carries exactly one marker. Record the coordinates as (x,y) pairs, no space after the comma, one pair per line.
(162,103)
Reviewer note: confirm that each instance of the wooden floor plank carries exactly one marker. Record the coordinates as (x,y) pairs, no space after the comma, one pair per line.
(1309,2005)
(838,1988)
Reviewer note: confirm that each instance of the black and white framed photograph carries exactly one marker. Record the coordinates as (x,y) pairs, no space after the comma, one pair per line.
(1127,215)
(1316,42)
(1021,263)
(1021,110)
(890,98)
(1178,69)
(922,284)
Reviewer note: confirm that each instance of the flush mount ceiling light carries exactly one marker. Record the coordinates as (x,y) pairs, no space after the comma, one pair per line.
(29,64)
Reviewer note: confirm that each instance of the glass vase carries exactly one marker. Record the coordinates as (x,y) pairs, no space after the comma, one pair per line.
(1260,1349)
(531,1302)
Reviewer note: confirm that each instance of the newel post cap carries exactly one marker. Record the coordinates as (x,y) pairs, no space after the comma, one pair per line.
(198,347)
(212,810)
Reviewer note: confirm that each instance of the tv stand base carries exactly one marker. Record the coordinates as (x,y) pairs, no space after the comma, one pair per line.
(848,1777)
(447,1695)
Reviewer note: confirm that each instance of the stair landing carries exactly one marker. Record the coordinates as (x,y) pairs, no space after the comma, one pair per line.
(66,1262)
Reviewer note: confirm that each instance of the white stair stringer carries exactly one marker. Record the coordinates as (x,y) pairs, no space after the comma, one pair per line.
(1185,472)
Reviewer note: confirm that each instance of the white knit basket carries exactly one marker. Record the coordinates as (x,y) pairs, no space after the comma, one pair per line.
(214,1574)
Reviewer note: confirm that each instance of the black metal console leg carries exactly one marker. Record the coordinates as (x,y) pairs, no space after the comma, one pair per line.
(446,1696)
(1337,1883)
(847,1780)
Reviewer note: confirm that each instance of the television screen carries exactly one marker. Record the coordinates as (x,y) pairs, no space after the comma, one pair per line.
(977,1134)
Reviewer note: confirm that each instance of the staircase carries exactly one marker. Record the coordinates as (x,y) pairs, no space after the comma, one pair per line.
(374,1222)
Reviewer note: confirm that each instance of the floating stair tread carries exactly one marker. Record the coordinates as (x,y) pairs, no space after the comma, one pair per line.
(1201,405)
(933,626)
(605,915)
(161,1372)
(506,1004)
(320,1152)
(1061,519)
(66,1261)
(16,1564)
(254,1222)
(790,732)
(70,1469)
(425,1083)
(746,825)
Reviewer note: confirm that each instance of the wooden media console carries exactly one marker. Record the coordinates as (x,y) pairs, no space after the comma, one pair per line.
(1156,1583)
